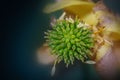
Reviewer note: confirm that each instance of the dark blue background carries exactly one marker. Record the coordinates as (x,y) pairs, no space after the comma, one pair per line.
(23,34)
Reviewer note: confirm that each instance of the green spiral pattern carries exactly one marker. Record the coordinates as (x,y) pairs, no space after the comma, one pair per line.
(69,42)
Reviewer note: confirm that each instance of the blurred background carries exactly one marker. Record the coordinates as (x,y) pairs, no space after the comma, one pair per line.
(24,34)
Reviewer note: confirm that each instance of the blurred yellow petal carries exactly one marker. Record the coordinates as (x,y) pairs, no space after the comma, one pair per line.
(111,23)
(87,18)
(66,3)
(114,31)
(79,8)
(102,51)
(84,12)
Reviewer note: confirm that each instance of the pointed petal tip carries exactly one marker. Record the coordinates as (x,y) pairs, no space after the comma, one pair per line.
(90,62)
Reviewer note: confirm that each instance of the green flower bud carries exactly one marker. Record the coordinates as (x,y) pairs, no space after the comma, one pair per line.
(69,42)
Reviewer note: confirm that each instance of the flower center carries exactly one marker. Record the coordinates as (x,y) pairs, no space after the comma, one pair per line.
(68,42)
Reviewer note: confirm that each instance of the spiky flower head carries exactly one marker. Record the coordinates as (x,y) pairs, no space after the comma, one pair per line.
(70,39)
